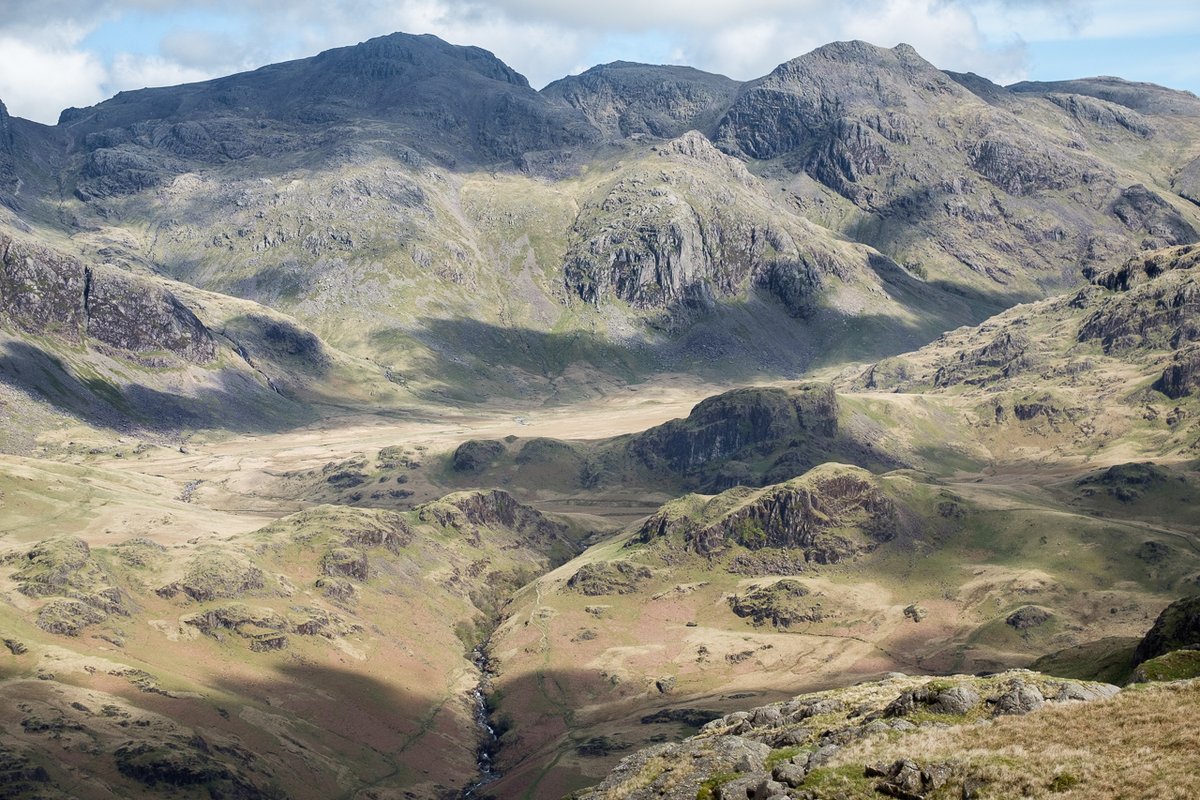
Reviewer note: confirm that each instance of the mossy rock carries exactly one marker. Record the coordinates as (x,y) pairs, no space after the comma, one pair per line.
(216,575)
(68,617)
(610,577)
(782,604)
(346,562)
(1174,666)
(474,455)
(52,565)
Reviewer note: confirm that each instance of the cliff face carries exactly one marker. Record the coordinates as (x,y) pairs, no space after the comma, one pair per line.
(827,515)
(725,425)
(43,292)
(693,226)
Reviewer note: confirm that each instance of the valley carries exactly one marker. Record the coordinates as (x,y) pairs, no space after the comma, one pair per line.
(375,426)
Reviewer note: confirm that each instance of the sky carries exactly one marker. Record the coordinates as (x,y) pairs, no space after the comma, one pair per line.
(56,54)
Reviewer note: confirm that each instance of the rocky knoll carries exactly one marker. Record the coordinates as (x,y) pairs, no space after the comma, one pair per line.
(43,292)
(828,514)
(739,422)
(787,749)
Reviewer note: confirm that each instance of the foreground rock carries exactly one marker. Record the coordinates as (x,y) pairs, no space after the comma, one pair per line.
(783,749)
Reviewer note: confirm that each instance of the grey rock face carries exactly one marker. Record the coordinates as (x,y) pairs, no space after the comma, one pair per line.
(701,230)
(1020,698)
(43,292)
(720,427)
(450,102)
(623,99)
(1143,210)
(1182,377)
(1102,113)
(1178,626)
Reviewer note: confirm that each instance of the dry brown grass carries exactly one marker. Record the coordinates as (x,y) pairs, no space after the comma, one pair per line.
(1143,743)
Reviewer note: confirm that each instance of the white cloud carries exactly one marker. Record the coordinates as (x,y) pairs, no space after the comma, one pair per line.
(138,72)
(38,81)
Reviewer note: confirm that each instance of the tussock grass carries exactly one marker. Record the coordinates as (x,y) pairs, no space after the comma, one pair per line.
(1141,743)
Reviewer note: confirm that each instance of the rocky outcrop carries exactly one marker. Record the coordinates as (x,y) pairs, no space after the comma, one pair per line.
(1163,312)
(697,229)
(1177,627)
(608,577)
(829,514)
(782,750)
(781,604)
(1006,355)
(214,575)
(43,292)
(1142,210)
(743,420)
(1182,377)
(474,455)
(177,763)
(1102,113)
(626,100)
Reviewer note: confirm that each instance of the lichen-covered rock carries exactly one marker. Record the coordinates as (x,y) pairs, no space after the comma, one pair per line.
(829,514)
(720,762)
(695,761)
(608,577)
(214,575)
(781,604)
(1019,698)
(67,617)
(951,700)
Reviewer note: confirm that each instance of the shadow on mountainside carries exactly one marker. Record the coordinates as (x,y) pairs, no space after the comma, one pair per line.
(232,401)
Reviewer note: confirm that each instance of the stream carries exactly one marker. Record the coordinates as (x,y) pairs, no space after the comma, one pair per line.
(489,742)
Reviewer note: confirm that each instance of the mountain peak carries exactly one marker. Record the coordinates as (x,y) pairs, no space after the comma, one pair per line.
(624,98)
(397,53)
